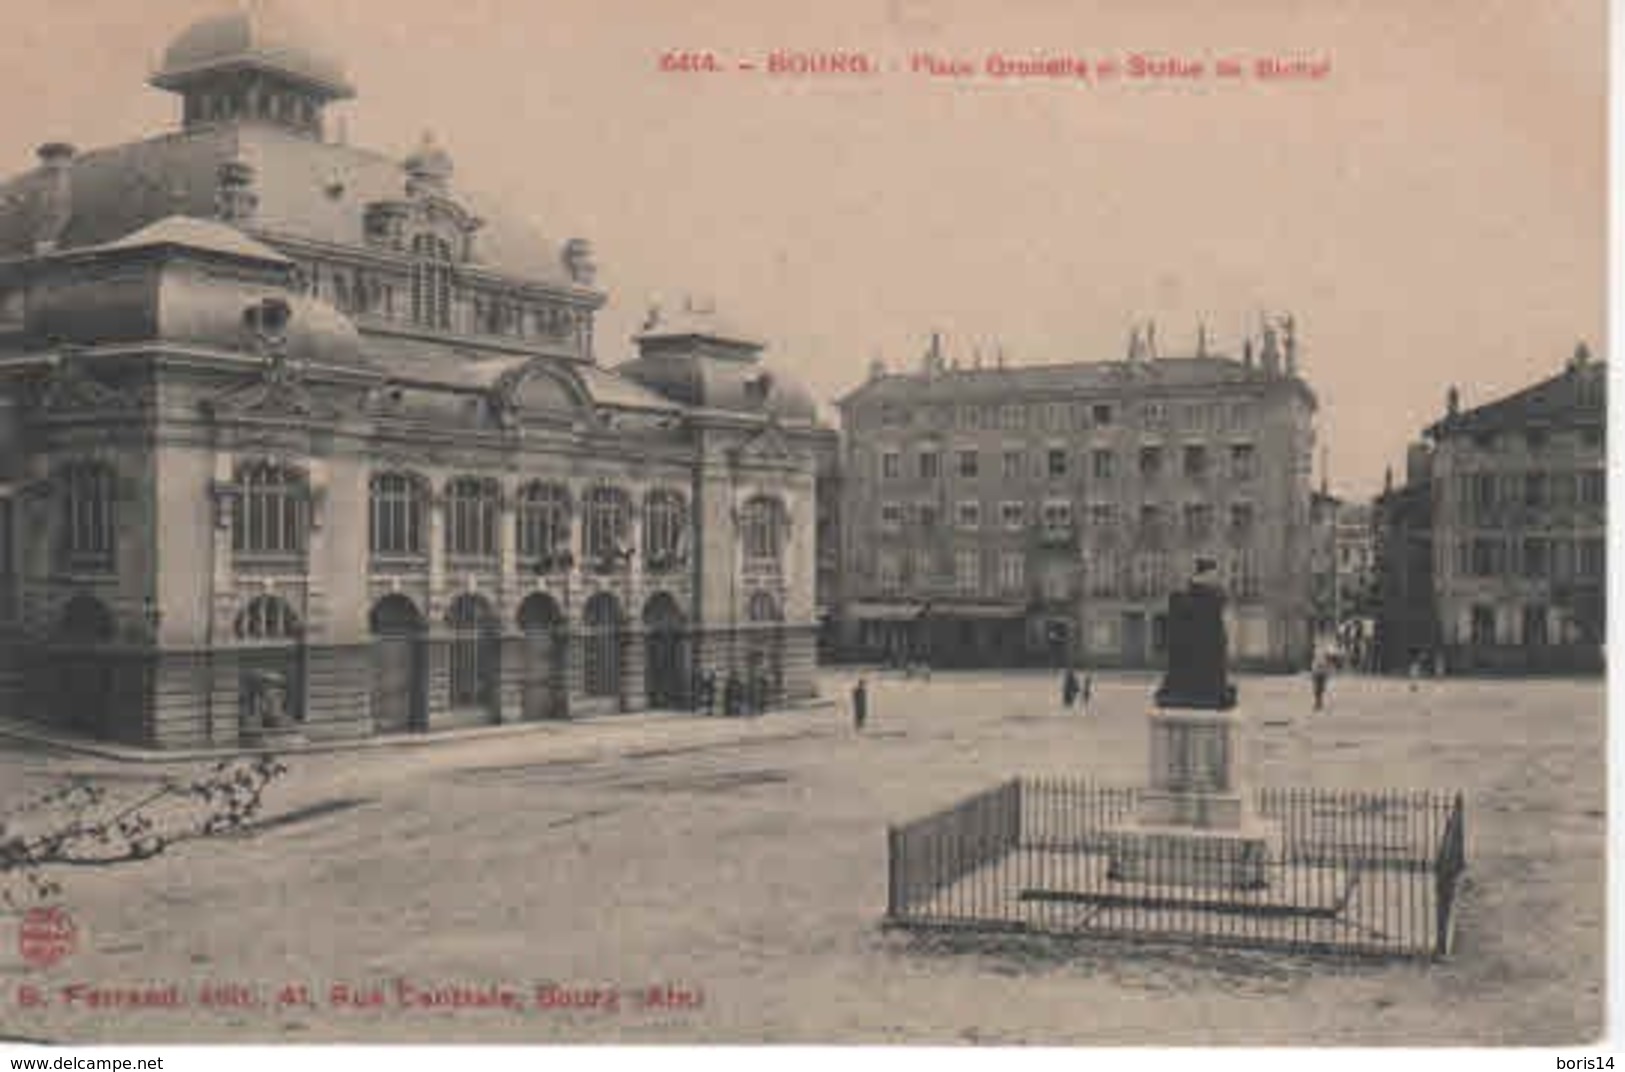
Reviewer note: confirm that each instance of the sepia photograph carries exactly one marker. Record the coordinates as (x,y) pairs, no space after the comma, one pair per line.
(883,523)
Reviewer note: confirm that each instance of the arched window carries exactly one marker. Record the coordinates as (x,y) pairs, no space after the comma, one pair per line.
(268,618)
(89,521)
(396,521)
(601,651)
(606,516)
(474,652)
(471,517)
(665,531)
(544,524)
(431,281)
(762,529)
(271,515)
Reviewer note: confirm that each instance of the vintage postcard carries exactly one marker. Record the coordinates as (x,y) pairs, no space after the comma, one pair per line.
(878,522)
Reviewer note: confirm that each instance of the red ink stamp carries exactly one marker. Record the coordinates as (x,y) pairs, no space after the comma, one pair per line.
(46,936)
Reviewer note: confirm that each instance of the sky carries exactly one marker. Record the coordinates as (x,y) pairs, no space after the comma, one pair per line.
(1431,209)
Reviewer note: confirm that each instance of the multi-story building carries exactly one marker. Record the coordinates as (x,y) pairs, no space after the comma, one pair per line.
(301,437)
(1519,525)
(1043,514)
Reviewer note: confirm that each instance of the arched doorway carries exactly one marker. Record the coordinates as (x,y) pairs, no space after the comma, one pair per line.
(764,652)
(270,666)
(545,692)
(399,671)
(601,646)
(476,655)
(82,678)
(665,653)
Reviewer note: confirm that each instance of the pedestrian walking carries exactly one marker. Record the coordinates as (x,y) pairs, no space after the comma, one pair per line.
(1416,671)
(860,704)
(733,695)
(1069,688)
(1318,673)
(1088,691)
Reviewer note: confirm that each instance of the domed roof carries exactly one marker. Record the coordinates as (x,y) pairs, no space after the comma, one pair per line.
(260,35)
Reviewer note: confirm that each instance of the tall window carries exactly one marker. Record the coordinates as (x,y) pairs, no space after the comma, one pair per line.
(1057,462)
(968,463)
(890,465)
(1012,572)
(889,573)
(930,464)
(968,571)
(88,516)
(601,649)
(544,523)
(665,527)
(762,529)
(1104,464)
(1243,461)
(1012,465)
(1195,461)
(396,519)
(272,513)
(606,515)
(471,517)
(1151,462)
(1198,520)
(474,652)
(431,281)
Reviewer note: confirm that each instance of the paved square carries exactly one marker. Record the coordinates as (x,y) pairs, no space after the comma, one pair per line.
(738,869)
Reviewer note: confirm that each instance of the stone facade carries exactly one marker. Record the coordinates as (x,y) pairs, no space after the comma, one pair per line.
(319,437)
(1519,526)
(1042,515)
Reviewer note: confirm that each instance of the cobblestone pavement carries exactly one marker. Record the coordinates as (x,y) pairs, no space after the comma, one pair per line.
(737,869)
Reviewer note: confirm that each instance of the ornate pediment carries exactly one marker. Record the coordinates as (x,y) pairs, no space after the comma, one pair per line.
(537,391)
(279,391)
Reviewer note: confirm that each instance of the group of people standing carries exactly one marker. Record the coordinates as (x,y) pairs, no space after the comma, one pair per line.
(739,696)
(1075,689)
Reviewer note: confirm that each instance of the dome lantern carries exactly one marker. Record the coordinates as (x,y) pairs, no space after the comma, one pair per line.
(254,63)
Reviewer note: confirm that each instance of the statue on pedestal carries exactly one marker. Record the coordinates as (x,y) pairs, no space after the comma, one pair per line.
(1197,650)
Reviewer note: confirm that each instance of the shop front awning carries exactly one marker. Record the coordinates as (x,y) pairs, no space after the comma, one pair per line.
(978,611)
(887,612)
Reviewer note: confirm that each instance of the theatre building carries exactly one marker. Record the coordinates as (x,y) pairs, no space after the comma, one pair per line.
(300,438)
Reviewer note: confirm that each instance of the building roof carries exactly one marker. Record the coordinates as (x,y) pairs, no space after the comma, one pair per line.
(690,322)
(192,233)
(469,368)
(1576,396)
(260,36)
(999,384)
(306,190)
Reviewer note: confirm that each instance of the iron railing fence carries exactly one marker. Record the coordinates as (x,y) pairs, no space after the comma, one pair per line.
(1318,870)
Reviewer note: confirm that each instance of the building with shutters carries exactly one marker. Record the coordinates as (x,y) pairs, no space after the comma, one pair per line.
(1043,514)
(302,438)
(1518,526)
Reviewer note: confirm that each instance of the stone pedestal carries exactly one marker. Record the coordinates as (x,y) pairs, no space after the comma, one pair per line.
(1195,825)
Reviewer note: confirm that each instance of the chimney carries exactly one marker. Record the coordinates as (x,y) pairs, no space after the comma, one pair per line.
(56,164)
(1452,401)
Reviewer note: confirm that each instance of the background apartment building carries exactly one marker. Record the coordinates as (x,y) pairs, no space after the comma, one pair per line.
(1043,514)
